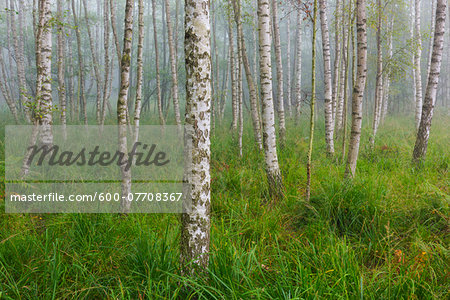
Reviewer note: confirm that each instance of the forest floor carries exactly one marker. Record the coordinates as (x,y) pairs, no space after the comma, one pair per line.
(384,235)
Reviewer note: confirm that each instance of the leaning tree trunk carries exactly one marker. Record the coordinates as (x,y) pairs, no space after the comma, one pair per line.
(420,148)
(122,103)
(158,78)
(298,67)
(268,116)
(430,46)
(329,126)
(248,73)
(196,221)
(379,79)
(114,28)
(44,67)
(279,65)
(358,89)
(173,68)
(140,71)
(61,67)
(417,59)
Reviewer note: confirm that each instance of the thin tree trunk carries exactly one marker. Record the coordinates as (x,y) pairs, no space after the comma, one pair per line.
(298,66)
(329,128)
(417,59)
(106,61)
(379,78)
(61,66)
(80,63)
(5,90)
(288,67)
(251,85)
(358,90)
(112,7)
(279,65)
(313,93)
(98,79)
(196,221)
(173,68)
(340,101)
(430,45)
(337,58)
(122,103)
(234,102)
(386,74)
(140,71)
(268,115)
(19,54)
(158,78)
(420,148)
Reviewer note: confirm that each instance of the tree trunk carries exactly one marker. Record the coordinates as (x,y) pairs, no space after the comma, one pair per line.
(340,101)
(313,89)
(386,74)
(173,68)
(358,90)
(234,102)
(44,67)
(196,221)
(114,28)
(80,63)
(106,61)
(420,148)
(19,54)
(268,116)
(98,80)
(417,59)
(337,59)
(298,66)
(329,126)
(122,103)
(430,45)
(279,65)
(5,90)
(140,71)
(379,79)
(158,78)
(61,66)
(251,85)
(288,67)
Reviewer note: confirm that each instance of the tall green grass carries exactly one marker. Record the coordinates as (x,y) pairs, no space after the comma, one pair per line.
(384,235)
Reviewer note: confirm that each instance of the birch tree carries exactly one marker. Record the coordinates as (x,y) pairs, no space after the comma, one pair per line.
(379,78)
(173,68)
(248,73)
(158,78)
(122,103)
(298,66)
(268,115)
(140,70)
(358,89)
(417,59)
(423,134)
(234,104)
(44,72)
(196,221)
(279,66)
(329,126)
(61,65)
(337,58)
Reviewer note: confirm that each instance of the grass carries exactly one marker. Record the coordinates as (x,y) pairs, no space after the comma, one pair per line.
(384,235)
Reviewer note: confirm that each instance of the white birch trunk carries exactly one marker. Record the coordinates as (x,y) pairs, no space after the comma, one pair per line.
(196,221)
(417,59)
(358,90)
(298,66)
(268,114)
(158,78)
(420,148)
(329,130)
